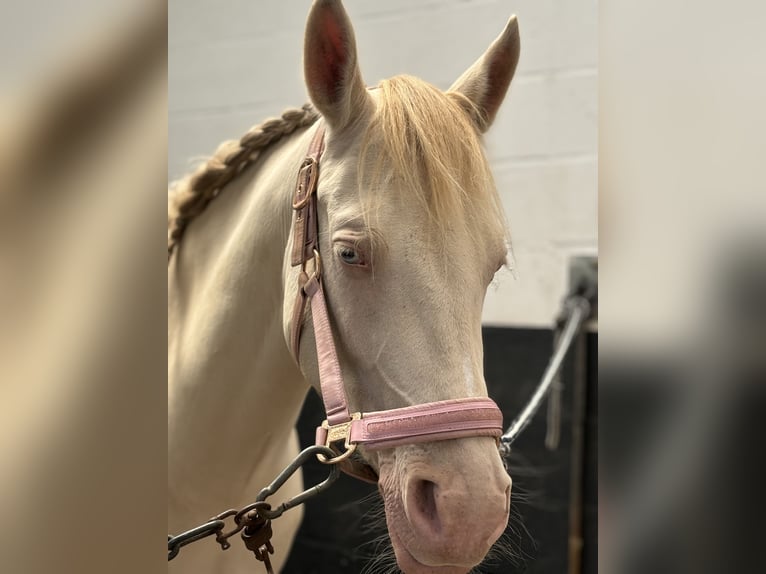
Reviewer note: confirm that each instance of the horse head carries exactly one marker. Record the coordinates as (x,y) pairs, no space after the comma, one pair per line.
(411,232)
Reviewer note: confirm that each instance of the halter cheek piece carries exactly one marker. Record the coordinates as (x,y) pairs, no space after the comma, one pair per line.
(440,420)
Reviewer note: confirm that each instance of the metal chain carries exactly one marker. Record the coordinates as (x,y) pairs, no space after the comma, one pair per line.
(254,520)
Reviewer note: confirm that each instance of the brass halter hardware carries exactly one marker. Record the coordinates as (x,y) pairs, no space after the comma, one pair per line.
(308,176)
(338,433)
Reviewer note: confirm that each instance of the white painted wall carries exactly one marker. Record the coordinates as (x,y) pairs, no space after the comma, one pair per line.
(235,62)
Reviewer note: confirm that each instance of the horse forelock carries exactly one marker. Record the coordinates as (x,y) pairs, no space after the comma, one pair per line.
(424,142)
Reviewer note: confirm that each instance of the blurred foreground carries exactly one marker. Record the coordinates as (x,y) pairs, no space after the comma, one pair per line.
(682,316)
(83,134)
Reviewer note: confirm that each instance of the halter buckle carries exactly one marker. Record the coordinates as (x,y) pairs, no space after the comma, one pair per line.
(338,433)
(307,183)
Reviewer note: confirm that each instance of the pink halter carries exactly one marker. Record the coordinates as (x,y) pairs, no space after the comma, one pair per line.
(440,420)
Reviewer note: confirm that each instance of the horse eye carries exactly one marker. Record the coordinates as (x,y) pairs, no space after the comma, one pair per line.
(349,256)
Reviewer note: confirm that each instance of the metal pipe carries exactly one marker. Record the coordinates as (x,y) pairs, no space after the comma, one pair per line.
(579,312)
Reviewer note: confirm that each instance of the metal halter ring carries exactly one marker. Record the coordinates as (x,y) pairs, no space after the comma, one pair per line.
(338,433)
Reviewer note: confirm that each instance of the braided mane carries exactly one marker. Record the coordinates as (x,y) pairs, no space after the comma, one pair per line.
(421,135)
(426,143)
(190,196)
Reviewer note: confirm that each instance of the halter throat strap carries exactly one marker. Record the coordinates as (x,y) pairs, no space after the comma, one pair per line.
(342,430)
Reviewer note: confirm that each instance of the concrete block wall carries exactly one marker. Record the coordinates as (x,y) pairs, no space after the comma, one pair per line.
(235,62)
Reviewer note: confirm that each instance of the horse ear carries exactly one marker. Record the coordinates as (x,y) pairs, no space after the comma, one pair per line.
(485,83)
(332,73)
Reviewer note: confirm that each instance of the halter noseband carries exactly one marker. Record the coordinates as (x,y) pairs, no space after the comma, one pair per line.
(440,420)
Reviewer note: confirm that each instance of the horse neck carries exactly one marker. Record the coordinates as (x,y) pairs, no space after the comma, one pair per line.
(234,391)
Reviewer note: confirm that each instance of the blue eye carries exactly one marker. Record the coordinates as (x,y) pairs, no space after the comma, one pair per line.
(349,255)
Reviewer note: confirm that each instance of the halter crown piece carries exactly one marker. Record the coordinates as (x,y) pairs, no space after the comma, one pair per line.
(440,420)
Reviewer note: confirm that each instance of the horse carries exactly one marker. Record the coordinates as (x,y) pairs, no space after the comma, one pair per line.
(411,232)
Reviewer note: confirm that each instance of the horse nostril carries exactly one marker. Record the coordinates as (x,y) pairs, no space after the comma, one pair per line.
(426,499)
(423,506)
